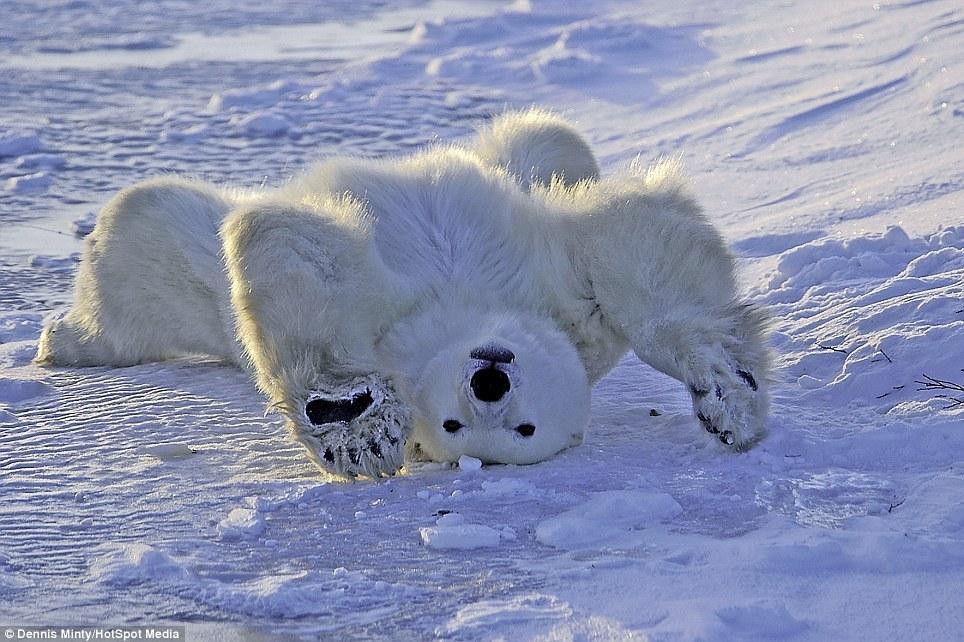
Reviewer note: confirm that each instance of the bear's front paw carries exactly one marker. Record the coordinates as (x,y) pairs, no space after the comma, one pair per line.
(730,405)
(355,429)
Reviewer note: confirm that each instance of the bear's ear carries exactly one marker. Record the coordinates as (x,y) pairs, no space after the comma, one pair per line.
(536,147)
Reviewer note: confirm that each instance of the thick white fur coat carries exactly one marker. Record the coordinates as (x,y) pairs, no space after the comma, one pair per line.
(372,287)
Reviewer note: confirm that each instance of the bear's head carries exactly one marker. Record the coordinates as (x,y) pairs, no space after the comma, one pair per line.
(502,387)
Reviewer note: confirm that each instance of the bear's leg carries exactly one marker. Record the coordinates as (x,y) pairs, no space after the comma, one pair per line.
(663,278)
(720,355)
(151,284)
(536,146)
(311,297)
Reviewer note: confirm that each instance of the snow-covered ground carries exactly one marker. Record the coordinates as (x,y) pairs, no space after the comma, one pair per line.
(825,139)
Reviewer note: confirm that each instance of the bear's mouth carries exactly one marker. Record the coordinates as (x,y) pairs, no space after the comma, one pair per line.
(328,411)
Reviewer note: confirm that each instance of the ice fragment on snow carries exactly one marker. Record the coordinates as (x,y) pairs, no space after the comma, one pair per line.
(84,225)
(560,62)
(466,536)
(264,125)
(508,486)
(241,522)
(41,161)
(166,452)
(452,531)
(469,464)
(450,519)
(29,183)
(606,516)
(122,564)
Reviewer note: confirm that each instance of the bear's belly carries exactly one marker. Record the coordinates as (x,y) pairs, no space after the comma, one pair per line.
(483,264)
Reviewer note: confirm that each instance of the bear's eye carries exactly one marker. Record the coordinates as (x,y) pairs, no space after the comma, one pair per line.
(526,430)
(452,425)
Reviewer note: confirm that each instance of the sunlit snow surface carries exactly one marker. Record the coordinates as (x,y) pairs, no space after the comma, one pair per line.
(824,139)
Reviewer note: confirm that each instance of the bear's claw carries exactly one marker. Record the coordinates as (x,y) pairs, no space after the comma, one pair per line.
(748,378)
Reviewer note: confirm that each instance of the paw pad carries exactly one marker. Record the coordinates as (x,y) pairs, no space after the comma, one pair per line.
(328,411)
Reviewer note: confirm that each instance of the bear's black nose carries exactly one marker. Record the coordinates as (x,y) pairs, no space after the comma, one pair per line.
(495,354)
(489,384)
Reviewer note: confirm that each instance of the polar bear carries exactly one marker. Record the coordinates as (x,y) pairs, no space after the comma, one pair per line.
(459,301)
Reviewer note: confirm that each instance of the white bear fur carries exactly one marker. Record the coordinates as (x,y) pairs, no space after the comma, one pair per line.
(384,275)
